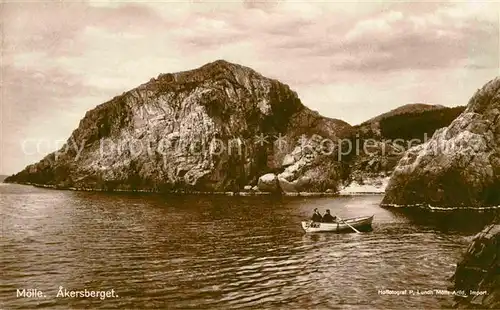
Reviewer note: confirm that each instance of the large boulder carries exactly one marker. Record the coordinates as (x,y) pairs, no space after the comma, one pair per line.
(268,183)
(460,165)
(316,166)
(478,272)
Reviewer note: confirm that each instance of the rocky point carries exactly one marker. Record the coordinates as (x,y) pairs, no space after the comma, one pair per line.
(460,165)
(478,272)
(216,128)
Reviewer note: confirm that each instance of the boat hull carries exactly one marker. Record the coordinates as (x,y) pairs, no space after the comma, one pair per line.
(360,223)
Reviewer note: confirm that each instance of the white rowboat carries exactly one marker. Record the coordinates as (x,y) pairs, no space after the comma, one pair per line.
(360,223)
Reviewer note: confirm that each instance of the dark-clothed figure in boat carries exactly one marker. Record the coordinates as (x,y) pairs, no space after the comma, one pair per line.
(316,216)
(328,218)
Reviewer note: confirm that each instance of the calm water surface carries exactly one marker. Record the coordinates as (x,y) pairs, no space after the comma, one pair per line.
(220,252)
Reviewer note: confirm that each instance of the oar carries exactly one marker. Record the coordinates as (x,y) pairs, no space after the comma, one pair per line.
(357,231)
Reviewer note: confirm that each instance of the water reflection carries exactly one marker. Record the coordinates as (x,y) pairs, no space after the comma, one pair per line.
(458,221)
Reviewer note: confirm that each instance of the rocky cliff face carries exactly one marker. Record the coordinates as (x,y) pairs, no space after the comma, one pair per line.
(478,273)
(215,128)
(460,165)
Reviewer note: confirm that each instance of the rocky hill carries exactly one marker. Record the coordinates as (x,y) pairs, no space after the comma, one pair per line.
(371,127)
(460,165)
(216,128)
(404,109)
(225,127)
(418,126)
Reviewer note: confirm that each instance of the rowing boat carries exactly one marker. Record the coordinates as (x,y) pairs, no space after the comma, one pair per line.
(360,223)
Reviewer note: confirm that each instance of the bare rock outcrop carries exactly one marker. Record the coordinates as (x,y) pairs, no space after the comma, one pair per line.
(460,165)
(478,272)
(311,166)
(268,183)
(216,128)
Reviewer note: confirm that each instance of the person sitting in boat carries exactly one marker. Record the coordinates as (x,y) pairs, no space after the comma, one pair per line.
(316,216)
(328,218)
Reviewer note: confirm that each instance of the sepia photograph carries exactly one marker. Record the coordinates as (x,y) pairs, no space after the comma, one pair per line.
(249,154)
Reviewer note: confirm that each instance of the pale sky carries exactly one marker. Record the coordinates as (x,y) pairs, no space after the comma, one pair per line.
(346,60)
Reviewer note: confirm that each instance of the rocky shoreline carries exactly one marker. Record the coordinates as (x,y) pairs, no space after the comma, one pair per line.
(184,192)
(478,272)
(460,164)
(224,128)
(440,208)
(368,186)
(217,128)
